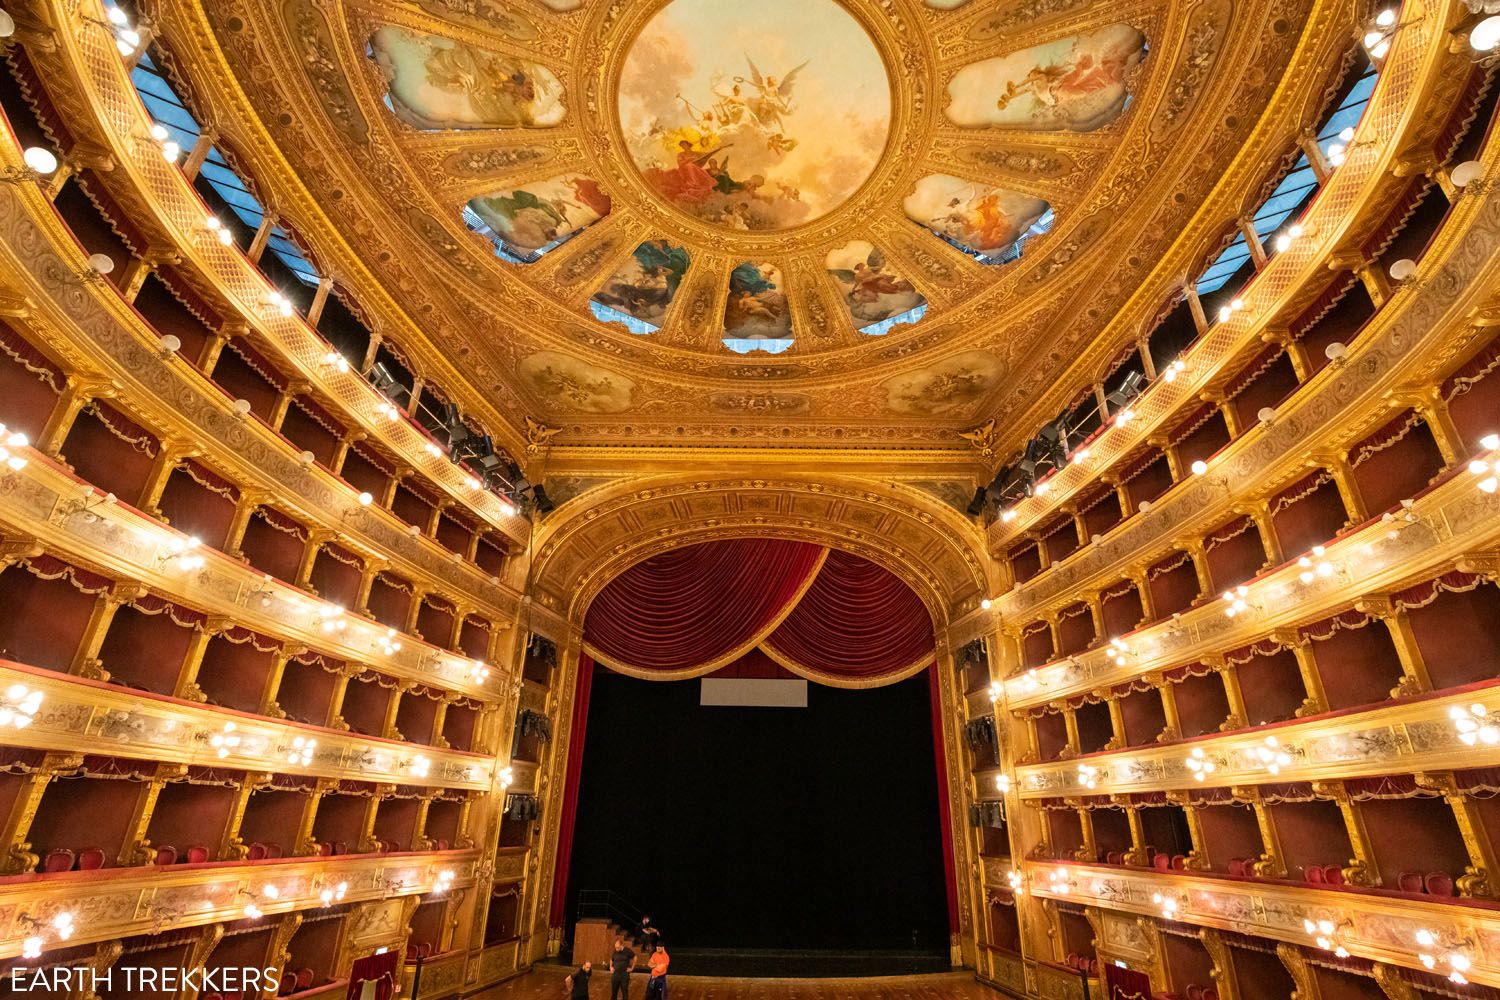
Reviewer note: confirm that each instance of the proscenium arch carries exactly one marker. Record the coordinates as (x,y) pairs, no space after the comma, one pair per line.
(594,537)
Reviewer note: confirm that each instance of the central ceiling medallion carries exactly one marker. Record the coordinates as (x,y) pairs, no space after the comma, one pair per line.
(754,117)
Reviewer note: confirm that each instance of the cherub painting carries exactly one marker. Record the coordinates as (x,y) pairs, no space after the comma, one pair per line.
(757,135)
(756,307)
(534,216)
(985,220)
(1076,84)
(647,283)
(871,291)
(441,83)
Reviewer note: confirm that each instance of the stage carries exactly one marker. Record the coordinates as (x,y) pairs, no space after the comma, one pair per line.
(546,982)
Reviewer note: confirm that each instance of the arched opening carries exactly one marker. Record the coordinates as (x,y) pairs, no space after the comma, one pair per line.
(747,710)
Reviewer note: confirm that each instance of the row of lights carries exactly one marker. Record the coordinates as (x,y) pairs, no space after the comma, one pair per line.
(61,926)
(19,706)
(1487,469)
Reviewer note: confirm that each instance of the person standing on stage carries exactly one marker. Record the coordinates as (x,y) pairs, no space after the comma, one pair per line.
(656,986)
(621,961)
(578,982)
(650,936)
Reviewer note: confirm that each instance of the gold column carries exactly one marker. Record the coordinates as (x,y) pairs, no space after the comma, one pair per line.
(1197,859)
(320,299)
(471,550)
(419,593)
(392,709)
(136,849)
(1414,676)
(269,705)
(1116,722)
(392,483)
(341,451)
(18,859)
(1172,728)
(1428,401)
(1122,495)
(231,846)
(316,539)
(78,394)
(307,844)
(199,153)
(1142,582)
(86,661)
(1096,612)
(1252,241)
(366,841)
(186,686)
(1044,558)
(1270,863)
(1307,665)
(1089,852)
(134,275)
(248,502)
(1195,306)
(1222,972)
(1174,461)
(1475,881)
(1239,716)
(283,403)
(1361,869)
(371,569)
(203,946)
(346,673)
(439,718)
(1301,971)
(262,237)
(1070,723)
(1308,140)
(1343,477)
(1196,551)
(1148,363)
(1137,854)
(1226,412)
(169,455)
(213,348)
(1259,511)
(419,839)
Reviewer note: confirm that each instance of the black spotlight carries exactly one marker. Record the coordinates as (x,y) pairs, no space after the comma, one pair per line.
(543,502)
(976,506)
(385,383)
(1128,390)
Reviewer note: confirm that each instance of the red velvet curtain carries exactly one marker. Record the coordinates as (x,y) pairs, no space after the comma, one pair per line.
(687,609)
(569,815)
(856,621)
(945,818)
(1127,984)
(383,969)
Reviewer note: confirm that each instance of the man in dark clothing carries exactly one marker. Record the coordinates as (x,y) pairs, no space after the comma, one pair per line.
(621,961)
(578,982)
(649,935)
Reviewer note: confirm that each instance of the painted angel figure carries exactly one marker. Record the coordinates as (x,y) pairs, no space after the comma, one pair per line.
(775,96)
(868,279)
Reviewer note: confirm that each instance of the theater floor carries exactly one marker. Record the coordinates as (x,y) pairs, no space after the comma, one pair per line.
(547,982)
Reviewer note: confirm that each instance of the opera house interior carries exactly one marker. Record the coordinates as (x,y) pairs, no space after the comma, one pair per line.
(839,498)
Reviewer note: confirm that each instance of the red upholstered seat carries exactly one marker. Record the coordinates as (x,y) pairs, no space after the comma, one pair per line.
(1115,858)
(1439,883)
(325,849)
(1209,993)
(1333,874)
(257,851)
(1194,992)
(59,859)
(1162,862)
(1410,882)
(425,949)
(1313,874)
(166,854)
(288,984)
(441,844)
(304,979)
(273,850)
(340,847)
(211,996)
(1179,862)
(90,859)
(1237,867)
(411,952)
(197,854)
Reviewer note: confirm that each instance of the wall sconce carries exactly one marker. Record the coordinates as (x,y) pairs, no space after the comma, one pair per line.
(221,232)
(388,643)
(1088,776)
(10,442)
(281,303)
(1290,235)
(1473,725)
(1170,908)
(330,895)
(225,741)
(478,672)
(170,151)
(1175,369)
(19,706)
(301,751)
(1017,882)
(1272,756)
(1314,565)
(1058,882)
(183,553)
(95,268)
(39,163)
(1328,935)
(1379,32)
(419,766)
(1236,600)
(1455,955)
(1487,470)
(61,926)
(996,690)
(444,882)
(507,777)
(1118,652)
(1199,764)
(331,621)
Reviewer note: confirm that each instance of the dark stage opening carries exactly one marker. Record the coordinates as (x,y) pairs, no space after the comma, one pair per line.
(773,841)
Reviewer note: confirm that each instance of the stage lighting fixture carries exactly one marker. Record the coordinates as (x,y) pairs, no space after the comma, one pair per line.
(976,506)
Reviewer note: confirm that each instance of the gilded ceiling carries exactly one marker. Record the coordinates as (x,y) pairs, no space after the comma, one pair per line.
(794,221)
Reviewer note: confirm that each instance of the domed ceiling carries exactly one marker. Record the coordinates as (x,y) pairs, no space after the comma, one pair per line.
(796,221)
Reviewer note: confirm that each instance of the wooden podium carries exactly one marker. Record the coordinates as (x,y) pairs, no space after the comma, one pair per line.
(593,940)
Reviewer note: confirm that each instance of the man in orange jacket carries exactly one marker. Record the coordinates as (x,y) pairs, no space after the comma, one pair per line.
(656,986)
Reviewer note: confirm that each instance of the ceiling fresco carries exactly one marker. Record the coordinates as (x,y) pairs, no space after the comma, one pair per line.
(799,221)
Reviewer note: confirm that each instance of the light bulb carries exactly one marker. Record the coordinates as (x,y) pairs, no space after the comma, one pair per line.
(39,159)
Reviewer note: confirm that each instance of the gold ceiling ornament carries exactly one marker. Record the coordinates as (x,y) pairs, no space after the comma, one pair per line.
(982,437)
(538,435)
(867,239)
